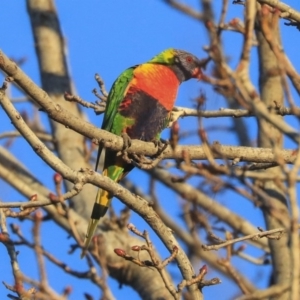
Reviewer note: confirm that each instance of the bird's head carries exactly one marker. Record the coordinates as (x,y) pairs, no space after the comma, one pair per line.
(184,64)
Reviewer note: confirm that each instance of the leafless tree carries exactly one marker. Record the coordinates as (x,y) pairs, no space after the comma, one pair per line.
(265,175)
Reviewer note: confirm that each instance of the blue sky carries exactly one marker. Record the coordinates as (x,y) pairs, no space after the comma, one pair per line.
(107,37)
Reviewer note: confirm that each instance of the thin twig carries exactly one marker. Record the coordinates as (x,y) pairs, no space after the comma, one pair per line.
(254,236)
(18,276)
(289,13)
(185,9)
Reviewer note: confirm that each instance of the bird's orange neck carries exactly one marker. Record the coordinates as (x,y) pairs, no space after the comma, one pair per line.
(158,81)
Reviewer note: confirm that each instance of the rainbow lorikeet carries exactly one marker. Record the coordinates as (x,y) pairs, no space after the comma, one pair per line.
(139,105)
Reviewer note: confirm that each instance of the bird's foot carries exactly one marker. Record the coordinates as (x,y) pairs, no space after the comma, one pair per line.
(145,163)
(126,145)
(126,157)
(126,140)
(161,147)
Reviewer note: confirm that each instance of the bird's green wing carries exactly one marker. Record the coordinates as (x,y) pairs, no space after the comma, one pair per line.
(113,101)
(115,97)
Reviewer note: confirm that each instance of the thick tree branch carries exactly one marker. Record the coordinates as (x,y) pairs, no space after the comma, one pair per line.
(88,176)
(22,180)
(270,135)
(55,77)
(111,141)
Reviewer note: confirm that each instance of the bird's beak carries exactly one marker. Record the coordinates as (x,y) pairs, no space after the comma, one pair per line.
(197,73)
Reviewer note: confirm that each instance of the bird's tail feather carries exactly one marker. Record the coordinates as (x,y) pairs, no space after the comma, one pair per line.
(101,205)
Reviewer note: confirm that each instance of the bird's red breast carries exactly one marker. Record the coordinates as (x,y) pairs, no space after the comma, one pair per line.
(158,81)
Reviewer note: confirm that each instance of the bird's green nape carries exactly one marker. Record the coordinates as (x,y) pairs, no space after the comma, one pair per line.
(166,57)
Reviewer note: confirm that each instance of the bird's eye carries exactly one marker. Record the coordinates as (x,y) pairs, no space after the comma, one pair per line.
(189,59)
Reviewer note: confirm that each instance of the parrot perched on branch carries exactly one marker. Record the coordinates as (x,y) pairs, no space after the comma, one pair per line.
(139,105)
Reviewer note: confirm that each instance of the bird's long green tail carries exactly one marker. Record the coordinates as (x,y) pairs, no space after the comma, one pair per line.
(101,205)
(102,202)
